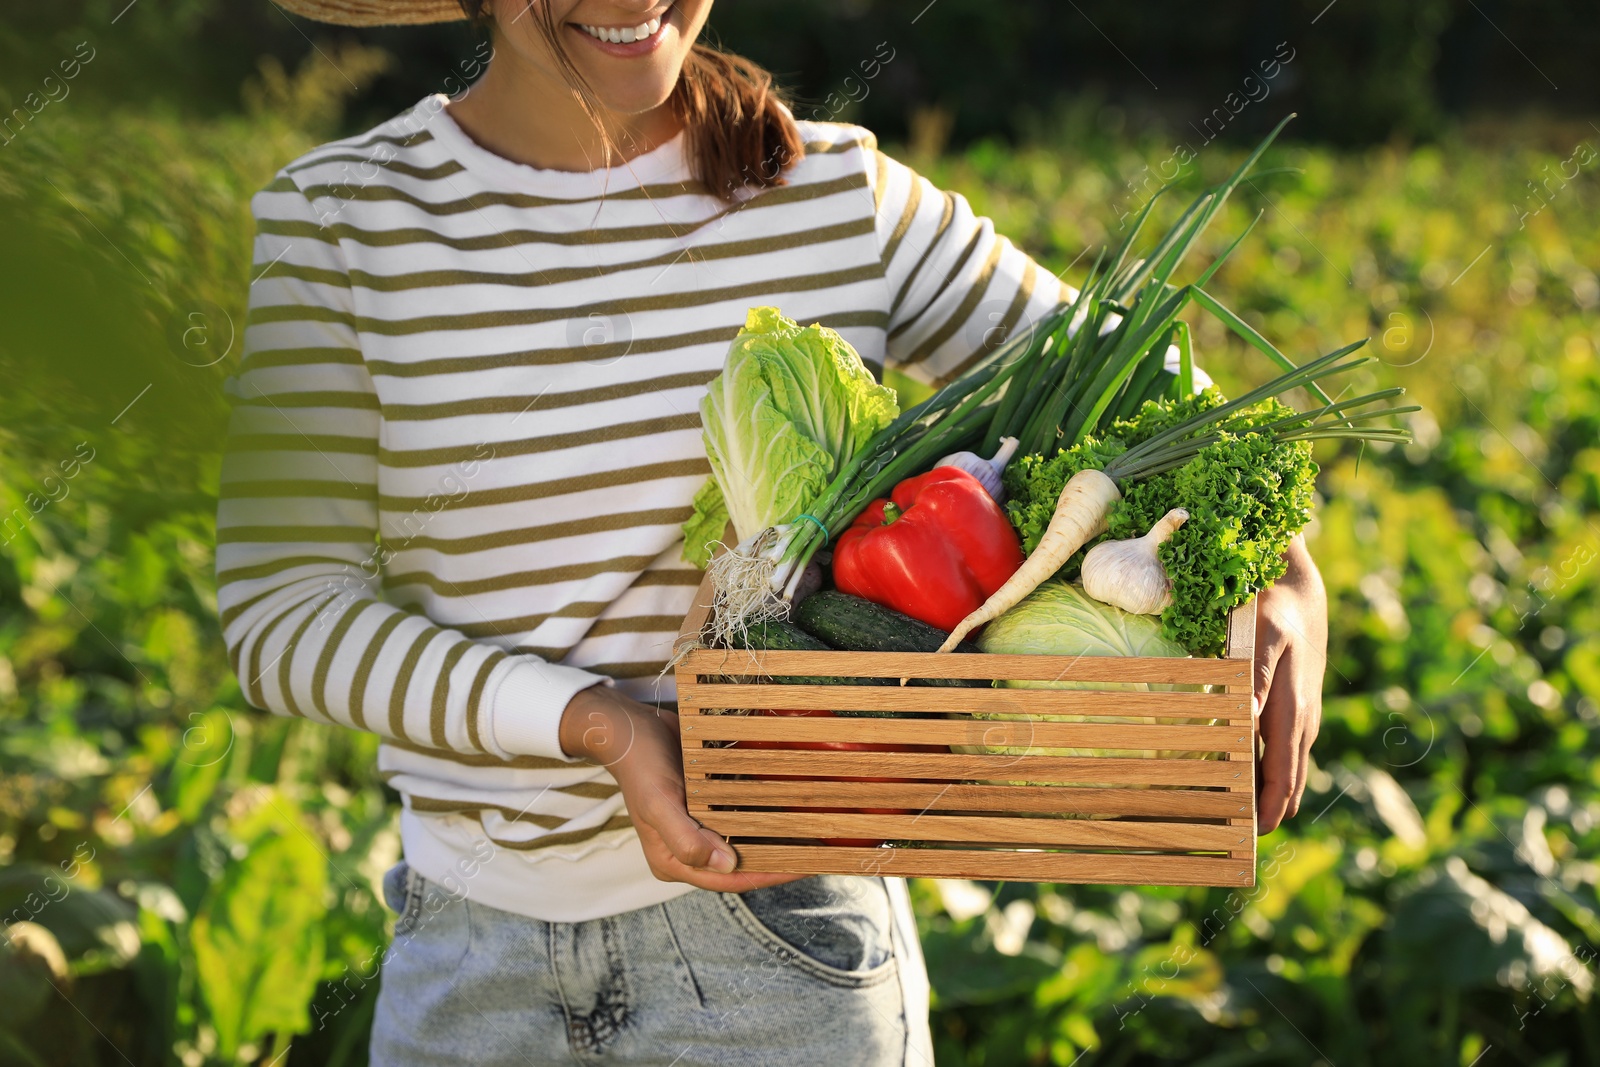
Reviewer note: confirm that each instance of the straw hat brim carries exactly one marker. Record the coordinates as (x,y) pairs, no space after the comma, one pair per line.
(375,12)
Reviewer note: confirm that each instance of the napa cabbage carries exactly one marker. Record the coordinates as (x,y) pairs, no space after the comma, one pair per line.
(791,405)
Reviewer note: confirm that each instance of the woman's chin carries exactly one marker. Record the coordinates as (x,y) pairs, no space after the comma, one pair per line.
(634,99)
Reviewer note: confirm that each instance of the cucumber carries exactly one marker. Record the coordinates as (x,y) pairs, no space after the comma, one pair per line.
(777,635)
(850,622)
(856,625)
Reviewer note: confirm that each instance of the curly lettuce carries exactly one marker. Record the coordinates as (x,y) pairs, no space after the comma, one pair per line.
(1247,496)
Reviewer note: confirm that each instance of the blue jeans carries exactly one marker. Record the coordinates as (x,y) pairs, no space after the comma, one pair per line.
(816,971)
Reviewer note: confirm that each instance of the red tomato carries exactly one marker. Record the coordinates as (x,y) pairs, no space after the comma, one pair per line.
(838,746)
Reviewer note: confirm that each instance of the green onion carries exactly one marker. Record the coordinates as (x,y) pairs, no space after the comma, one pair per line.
(1071,377)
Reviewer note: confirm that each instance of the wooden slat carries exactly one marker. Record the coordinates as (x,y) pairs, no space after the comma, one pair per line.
(1242,632)
(689,633)
(704,598)
(1241,649)
(978,829)
(987,732)
(998,864)
(965,701)
(948,796)
(1087,770)
(1155,669)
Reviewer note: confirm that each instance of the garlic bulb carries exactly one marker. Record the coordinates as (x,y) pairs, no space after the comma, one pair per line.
(1128,574)
(987,471)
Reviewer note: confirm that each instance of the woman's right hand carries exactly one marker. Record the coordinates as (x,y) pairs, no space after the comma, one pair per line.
(639,745)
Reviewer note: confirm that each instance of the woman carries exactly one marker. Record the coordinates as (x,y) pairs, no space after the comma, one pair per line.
(466,437)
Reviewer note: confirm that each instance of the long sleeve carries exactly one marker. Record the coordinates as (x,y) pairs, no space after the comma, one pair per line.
(299,550)
(956,286)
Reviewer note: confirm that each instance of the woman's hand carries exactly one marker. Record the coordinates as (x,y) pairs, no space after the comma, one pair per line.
(639,745)
(1291,654)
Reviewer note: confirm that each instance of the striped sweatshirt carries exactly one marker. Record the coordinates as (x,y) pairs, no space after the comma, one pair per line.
(466,433)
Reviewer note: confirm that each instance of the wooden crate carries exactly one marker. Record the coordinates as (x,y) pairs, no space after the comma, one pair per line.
(1144,820)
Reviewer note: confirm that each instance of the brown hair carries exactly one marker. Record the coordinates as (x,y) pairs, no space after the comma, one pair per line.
(739,132)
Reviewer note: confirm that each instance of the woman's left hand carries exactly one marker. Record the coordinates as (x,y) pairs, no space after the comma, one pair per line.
(1291,655)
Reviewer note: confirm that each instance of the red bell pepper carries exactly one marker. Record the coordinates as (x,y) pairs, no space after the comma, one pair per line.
(935,550)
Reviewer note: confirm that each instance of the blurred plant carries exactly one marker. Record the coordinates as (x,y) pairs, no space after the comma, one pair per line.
(179,870)
(313,98)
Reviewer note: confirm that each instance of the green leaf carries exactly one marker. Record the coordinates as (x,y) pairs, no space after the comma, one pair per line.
(30,959)
(257,940)
(95,928)
(973,972)
(1185,382)
(1216,264)
(1583,666)
(1124,361)
(202,758)
(1465,932)
(1177,969)
(707,524)
(1252,336)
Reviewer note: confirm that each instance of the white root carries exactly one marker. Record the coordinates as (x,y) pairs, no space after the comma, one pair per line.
(742,577)
(1080,516)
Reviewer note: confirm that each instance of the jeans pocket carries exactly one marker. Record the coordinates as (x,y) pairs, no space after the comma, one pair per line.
(394,887)
(402,891)
(837,927)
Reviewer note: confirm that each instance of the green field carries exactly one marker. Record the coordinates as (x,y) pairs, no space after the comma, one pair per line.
(201,879)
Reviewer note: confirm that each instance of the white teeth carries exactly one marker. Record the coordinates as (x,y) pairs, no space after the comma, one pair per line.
(623,36)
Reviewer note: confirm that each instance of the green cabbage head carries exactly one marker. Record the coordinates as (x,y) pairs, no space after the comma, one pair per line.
(791,406)
(1060,619)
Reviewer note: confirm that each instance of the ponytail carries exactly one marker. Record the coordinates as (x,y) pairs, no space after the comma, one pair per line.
(738,131)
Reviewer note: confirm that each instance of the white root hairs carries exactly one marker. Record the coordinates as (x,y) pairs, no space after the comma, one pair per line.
(742,577)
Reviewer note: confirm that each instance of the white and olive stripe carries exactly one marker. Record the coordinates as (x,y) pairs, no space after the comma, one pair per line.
(466,428)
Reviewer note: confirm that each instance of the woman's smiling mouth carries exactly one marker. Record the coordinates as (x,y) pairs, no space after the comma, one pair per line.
(636,40)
